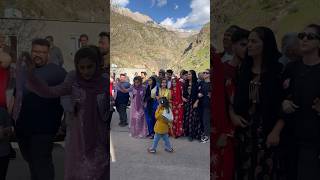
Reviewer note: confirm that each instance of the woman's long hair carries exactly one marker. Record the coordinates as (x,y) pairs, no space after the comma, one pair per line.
(194,86)
(270,66)
(148,98)
(148,89)
(270,52)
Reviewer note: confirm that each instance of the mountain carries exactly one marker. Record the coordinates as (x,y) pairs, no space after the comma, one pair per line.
(71,10)
(197,54)
(134,15)
(136,43)
(281,15)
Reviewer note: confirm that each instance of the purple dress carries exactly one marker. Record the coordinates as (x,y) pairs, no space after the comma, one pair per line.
(138,127)
(87,155)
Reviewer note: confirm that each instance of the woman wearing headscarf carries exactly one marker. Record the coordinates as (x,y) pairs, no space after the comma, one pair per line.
(87,144)
(138,128)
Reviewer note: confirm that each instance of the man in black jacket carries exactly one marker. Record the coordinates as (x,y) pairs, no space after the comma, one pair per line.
(40,118)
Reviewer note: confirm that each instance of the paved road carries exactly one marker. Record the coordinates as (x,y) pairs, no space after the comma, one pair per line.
(18,168)
(190,161)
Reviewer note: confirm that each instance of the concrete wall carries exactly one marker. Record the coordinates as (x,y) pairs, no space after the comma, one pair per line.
(65,34)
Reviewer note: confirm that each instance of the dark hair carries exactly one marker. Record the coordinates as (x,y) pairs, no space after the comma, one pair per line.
(84,35)
(165,103)
(163,79)
(231,29)
(194,88)
(270,73)
(148,90)
(154,82)
(50,37)
(122,74)
(90,52)
(183,72)
(169,71)
(270,52)
(239,35)
(104,34)
(316,27)
(41,42)
(143,72)
(137,78)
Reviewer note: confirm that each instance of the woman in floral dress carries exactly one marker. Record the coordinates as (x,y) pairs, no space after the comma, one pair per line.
(177,108)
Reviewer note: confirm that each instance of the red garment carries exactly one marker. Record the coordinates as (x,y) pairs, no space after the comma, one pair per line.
(110,89)
(4,77)
(222,167)
(177,109)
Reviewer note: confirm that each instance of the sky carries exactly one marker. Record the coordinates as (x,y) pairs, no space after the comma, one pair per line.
(179,14)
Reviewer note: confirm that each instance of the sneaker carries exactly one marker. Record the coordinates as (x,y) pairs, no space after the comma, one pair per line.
(169,150)
(150,150)
(205,139)
(151,137)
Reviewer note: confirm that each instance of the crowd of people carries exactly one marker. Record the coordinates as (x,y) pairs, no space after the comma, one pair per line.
(266,107)
(188,97)
(36,92)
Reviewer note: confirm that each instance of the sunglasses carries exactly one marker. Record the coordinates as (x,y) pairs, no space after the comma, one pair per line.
(310,36)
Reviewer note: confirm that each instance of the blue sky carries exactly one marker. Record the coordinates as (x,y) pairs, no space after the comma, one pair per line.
(179,14)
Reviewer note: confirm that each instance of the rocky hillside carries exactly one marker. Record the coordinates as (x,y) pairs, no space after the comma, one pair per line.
(281,15)
(197,55)
(138,44)
(72,10)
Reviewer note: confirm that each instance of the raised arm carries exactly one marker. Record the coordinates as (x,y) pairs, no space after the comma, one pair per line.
(41,88)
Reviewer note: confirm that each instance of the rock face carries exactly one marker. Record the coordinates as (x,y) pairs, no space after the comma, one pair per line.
(67,10)
(281,15)
(142,42)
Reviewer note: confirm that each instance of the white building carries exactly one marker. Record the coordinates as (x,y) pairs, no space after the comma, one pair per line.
(20,33)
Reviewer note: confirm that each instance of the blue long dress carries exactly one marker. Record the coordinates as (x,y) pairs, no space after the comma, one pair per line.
(151,108)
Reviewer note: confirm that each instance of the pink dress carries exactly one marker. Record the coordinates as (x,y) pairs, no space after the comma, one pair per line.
(87,155)
(138,128)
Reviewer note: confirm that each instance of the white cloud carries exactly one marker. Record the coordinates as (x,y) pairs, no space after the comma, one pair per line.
(153,2)
(176,7)
(175,24)
(161,3)
(199,16)
(122,3)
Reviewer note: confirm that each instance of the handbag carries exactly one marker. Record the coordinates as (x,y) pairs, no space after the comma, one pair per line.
(168,115)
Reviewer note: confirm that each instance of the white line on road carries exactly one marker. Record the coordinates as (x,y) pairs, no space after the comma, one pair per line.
(112,151)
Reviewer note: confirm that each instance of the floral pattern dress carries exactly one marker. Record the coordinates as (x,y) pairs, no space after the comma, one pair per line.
(254,160)
(191,121)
